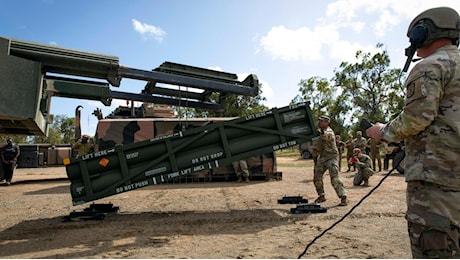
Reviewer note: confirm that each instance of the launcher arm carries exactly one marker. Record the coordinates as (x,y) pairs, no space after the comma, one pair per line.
(44,71)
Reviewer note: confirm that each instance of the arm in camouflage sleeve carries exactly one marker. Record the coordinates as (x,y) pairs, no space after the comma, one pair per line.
(315,152)
(423,92)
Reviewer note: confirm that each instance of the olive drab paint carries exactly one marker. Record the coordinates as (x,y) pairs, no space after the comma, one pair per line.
(126,167)
(43,71)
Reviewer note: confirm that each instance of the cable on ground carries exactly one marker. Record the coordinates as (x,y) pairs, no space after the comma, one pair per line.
(350,211)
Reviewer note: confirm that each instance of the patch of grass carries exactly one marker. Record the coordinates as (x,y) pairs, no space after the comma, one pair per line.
(300,163)
(290,152)
(294,155)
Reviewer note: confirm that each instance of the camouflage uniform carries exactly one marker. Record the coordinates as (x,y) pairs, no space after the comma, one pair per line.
(374,152)
(84,145)
(361,143)
(430,126)
(364,170)
(83,148)
(341,148)
(326,154)
(349,145)
(240,167)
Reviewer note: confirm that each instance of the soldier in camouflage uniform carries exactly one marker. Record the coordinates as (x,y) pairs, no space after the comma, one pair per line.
(374,152)
(341,148)
(326,157)
(364,163)
(83,145)
(360,142)
(350,146)
(430,126)
(241,168)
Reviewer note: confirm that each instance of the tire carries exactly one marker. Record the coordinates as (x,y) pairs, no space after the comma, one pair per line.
(306,154)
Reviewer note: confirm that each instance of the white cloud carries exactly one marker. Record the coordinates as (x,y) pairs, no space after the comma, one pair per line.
(150,30)
(341,11)
(346,51)
(387,20)
(357,26)
(267,90)
(382,16)
(292,45)
(328,35)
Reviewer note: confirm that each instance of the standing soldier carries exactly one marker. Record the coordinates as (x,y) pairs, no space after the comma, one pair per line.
(341,147)
(374,152)
(9,155)
(350,146)
(83,146)
(326,158)
(360,142)
(430,126)
(241,168)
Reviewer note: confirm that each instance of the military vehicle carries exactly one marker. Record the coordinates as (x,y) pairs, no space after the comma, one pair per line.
(164,159)
(45,71)
(159,120)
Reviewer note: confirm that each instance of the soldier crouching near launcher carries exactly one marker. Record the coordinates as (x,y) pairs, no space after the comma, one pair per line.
(430,126)
(326,157)
(364,163)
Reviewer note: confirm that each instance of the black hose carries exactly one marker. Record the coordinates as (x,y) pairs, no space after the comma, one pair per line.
(351,210)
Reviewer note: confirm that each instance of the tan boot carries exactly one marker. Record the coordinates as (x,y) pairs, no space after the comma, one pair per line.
(239,179)
(246,179)
(320,199)
(343,201)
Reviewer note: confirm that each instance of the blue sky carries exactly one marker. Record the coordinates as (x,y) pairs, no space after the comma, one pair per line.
(281,42)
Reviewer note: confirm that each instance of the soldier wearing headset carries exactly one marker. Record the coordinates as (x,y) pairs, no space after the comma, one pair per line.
(430,126)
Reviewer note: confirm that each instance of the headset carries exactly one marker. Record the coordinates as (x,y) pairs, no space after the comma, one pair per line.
(418,36)
(424,33)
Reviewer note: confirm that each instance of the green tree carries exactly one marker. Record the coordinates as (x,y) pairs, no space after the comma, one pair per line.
(17,139)
(67,129)
(52,137)
(364,89)
(61,131)
(317,91)
(373,90)
(325,99)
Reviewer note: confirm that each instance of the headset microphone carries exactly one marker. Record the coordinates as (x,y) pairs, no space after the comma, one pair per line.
(417,37)
(410,51)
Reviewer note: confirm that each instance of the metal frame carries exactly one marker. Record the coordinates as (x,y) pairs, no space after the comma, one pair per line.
(262,133)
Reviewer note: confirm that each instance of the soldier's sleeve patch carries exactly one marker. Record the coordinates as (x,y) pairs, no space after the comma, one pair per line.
(410,90)
(415,90)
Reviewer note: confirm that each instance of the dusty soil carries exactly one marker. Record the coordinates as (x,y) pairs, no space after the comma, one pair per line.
(204,220)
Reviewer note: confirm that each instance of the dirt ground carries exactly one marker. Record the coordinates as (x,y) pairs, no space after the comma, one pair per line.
(204,220)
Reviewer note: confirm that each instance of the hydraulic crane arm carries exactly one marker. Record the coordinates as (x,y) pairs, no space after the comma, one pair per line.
(45,71)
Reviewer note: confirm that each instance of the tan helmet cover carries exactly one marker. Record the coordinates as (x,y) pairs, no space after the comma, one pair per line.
(445,19)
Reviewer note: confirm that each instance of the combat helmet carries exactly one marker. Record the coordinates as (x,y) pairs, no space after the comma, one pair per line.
(324,118)
(432,24)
